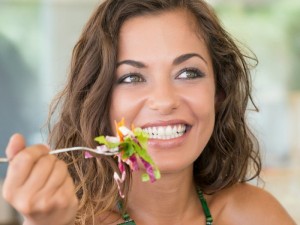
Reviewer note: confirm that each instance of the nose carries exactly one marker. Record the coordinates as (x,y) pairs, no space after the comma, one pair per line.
(163,98)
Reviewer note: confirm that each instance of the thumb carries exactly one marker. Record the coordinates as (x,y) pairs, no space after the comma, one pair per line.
(15,145)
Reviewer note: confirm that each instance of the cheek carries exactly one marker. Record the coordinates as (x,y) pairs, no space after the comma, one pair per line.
(205,113)
(203,109)
(201,100)
(124,104)
(206,125)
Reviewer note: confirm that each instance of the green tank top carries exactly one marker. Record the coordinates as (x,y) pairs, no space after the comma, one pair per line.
(208,217)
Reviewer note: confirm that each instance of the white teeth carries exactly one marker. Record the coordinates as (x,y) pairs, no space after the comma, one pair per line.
(165,132)
(161,131)
(174,130)
(168,131)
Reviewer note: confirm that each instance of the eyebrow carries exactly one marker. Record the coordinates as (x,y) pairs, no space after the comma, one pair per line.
(133,63)
(178,60)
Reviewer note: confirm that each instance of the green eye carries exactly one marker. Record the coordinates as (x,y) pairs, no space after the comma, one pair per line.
(190,73)
(131,78)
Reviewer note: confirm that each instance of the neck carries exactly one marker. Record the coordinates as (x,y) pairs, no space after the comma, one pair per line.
(170,200)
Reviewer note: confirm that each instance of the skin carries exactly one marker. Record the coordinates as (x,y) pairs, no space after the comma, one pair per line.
(158,97)
(38,185)
(40,188)
(164,96)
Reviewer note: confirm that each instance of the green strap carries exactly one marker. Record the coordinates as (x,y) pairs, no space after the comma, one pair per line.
(125,216)
(131,222)
(209,219)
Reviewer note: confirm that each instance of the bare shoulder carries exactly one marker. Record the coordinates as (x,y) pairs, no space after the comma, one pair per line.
(246,204)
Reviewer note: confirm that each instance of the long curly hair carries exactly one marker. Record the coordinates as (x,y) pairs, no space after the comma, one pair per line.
(81,111)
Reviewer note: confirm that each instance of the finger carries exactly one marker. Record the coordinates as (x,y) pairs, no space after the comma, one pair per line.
(57,177)
(15,145)
(65,196)
(61,199)
(20,167)
(40,174)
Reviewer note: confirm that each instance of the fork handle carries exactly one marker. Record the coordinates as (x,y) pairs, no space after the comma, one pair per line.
(5,160)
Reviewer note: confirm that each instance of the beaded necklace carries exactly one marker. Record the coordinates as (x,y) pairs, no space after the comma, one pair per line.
(208,217)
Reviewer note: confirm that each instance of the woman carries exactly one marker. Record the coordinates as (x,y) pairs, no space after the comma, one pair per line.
(168,67)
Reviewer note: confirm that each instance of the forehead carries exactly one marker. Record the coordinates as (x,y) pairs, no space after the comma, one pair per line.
(167,32)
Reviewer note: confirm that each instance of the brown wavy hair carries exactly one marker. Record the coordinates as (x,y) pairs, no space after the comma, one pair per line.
(81,111)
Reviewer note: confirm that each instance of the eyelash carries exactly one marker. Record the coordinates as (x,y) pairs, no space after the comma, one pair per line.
(198,74)
(124,77)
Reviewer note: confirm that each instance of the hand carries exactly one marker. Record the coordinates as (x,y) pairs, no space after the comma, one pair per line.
(38,185)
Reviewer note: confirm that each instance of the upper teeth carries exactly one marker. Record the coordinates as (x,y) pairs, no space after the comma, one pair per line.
(165,132)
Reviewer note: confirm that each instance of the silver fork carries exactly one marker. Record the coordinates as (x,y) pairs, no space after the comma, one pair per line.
(99,151)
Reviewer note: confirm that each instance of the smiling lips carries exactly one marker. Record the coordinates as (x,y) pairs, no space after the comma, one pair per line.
(166,132)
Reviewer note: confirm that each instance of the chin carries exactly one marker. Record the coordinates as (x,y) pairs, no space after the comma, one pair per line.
(173,166)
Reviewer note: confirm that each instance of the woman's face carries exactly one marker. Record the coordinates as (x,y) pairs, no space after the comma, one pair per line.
(165,85)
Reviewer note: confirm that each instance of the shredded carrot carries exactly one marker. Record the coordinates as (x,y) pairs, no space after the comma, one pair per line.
(120,124)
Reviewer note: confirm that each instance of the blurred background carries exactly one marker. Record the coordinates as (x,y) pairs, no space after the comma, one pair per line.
(37,37)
